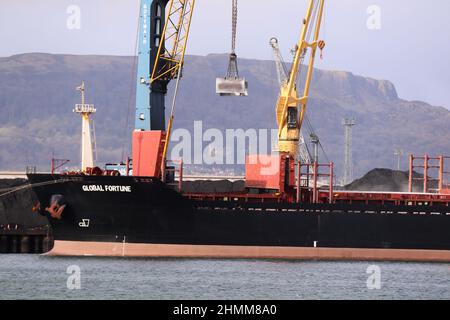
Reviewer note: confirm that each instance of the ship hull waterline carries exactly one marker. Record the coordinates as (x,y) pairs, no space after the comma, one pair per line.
(139,250)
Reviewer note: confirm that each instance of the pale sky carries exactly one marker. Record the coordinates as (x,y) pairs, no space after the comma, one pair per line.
(411,49)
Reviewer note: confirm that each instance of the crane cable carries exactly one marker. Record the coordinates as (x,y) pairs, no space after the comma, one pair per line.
(31,185)
(312,131)
(131,91)
(234,25)
(233,72)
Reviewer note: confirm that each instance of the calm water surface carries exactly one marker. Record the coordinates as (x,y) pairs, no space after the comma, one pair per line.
(40,277)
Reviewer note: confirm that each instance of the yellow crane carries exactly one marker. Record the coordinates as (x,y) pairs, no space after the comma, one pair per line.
(290,108)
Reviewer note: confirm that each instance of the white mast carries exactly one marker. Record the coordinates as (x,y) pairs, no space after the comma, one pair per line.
(85,110)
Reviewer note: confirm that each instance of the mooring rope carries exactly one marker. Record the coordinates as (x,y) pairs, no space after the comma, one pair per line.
(31,185)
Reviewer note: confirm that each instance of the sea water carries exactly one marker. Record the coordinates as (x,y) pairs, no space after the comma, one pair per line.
(44,277)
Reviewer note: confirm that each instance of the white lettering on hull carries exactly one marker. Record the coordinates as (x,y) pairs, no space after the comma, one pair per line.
(105,188)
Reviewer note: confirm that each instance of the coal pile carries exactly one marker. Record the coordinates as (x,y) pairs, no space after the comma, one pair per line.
(208,186)
(388,180)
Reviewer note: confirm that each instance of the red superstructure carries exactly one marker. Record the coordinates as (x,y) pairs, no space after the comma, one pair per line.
(147,153)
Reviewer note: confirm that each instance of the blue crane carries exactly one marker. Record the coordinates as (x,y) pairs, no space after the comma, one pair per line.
(150,97)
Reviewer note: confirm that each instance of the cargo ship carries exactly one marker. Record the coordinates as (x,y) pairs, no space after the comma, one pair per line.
(139,209)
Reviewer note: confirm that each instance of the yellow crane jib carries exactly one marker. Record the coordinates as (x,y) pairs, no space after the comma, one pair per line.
(290,109)
(170,57)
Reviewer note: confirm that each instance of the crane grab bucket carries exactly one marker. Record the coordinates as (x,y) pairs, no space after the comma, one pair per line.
(232,84)
(231,87)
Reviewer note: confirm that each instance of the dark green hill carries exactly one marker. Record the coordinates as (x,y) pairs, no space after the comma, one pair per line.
(37,94)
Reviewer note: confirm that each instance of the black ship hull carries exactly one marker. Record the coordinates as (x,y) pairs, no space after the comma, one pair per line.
(134,216)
